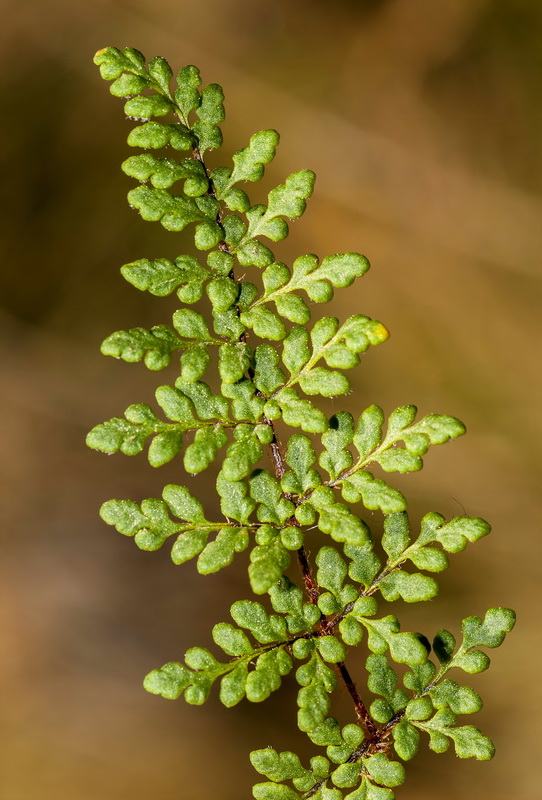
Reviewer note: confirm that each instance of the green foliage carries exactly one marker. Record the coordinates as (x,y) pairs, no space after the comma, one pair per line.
(155,347)
(467,740)
(162,277)
(317,681)
(272,496)
(382,681)
(316,279)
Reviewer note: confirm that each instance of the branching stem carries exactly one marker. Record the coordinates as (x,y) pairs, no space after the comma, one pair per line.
(312,589)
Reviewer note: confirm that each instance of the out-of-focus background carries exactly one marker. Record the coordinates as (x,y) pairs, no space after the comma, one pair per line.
(423,121)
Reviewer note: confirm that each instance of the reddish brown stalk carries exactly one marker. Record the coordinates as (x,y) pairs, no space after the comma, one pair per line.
(377,742)
(310,584)
(278,461)
(361,709)
(311,587)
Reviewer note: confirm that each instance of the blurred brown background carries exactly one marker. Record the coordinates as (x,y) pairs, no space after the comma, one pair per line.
(422,120)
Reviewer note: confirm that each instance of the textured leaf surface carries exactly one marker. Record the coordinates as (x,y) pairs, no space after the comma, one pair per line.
(251,160)
(316,680)
(162,277)
(338,345)
(373,446)
(383,681)
(337,520)
(150,522)
(468,741)
(384,771)
(164,172)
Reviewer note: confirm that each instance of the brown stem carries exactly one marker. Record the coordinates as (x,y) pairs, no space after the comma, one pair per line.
(310,584)
(311,587)
(279,463)
(361,709)
(378,742)
(278,460)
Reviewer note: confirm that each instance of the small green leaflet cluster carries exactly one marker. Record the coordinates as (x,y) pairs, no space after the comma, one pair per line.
(270,360)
